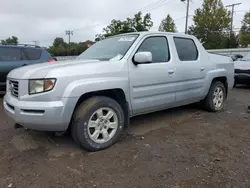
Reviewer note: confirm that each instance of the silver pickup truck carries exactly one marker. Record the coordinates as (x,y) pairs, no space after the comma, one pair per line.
(117,78)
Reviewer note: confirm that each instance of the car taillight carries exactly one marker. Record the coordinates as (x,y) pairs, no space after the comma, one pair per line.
(51,60)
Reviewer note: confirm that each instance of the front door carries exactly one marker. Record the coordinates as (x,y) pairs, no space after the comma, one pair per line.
(152,85)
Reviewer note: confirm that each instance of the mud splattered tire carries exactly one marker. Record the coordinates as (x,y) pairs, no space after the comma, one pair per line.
(215,98)
(97,123)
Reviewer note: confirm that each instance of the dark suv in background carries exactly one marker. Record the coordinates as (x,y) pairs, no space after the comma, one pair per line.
(14,56)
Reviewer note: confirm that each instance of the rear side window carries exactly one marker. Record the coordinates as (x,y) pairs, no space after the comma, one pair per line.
(186,49)
(158,46)
(32,54)
(10,54)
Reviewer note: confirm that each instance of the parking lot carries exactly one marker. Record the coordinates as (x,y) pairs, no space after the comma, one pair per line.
(181,147)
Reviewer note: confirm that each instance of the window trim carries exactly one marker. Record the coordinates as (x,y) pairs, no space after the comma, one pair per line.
(198,53)
(156,36)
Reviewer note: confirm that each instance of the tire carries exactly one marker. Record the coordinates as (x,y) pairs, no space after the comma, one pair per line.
(84,132)
(208,102)
(235,83)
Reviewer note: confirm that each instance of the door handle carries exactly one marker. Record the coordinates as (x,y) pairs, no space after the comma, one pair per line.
(202,68)
(170,72)
(24,64)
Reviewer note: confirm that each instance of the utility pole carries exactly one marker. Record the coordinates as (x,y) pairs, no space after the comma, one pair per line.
(187,14)
(36,42)
(68,32)
(232,16)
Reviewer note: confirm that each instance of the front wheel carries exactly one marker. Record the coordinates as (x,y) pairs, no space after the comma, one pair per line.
(97,123)
(235,83)
(216,97)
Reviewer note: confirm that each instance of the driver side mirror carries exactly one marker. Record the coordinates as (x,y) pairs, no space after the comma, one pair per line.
(142,58)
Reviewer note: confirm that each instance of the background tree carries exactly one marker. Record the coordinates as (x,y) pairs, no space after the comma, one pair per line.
(98,37)
(137,23)
(61,48)
(117,27)
(59,42)
(245,31)
(10,40)
(212,24)
(167,25)
(232,41)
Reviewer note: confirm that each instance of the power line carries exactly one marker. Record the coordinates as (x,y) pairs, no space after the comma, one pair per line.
(242,10)
(191,7)
(175,20)
(157,6)
(147,8)
(151,5)
(182,18)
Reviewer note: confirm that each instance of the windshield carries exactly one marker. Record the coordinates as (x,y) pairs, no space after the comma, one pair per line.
(110,48)
(246,58)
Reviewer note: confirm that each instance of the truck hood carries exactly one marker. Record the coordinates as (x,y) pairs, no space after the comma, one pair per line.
(61,69)
(242,65)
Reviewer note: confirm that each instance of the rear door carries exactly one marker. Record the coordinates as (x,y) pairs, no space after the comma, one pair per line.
(190,72)
(10,58)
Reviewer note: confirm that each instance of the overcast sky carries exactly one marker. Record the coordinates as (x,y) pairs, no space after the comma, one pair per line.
(43,20)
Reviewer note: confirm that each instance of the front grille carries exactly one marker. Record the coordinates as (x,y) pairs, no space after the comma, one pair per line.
(239,71)
(13,87)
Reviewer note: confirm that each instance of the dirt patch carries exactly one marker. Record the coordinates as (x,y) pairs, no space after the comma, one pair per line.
(24,142)
(178,148)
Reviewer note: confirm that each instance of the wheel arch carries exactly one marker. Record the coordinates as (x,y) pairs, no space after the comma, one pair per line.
(116,94)
(223,80)
(215,75)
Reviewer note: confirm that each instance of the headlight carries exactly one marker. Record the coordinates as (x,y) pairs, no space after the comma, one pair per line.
(41,85)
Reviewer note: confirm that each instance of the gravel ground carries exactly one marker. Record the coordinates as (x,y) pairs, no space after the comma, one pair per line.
(182,147)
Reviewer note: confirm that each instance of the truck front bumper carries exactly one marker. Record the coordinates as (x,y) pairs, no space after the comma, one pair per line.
(242,78)
(43,116)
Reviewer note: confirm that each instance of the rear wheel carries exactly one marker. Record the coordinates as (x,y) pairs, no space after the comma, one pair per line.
(216,97)
(97,123)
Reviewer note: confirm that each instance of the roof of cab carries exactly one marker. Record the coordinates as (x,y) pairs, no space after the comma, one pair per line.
(156,32)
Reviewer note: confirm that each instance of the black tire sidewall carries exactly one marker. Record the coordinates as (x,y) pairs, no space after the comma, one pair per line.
(82,124)
(211,92)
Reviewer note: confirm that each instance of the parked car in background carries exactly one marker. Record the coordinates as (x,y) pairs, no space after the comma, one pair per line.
(236,57)
(117,78)
(242,71)
(14,56)
(54,58)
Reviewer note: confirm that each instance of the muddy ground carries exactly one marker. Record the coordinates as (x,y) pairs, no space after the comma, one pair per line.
(182,147)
